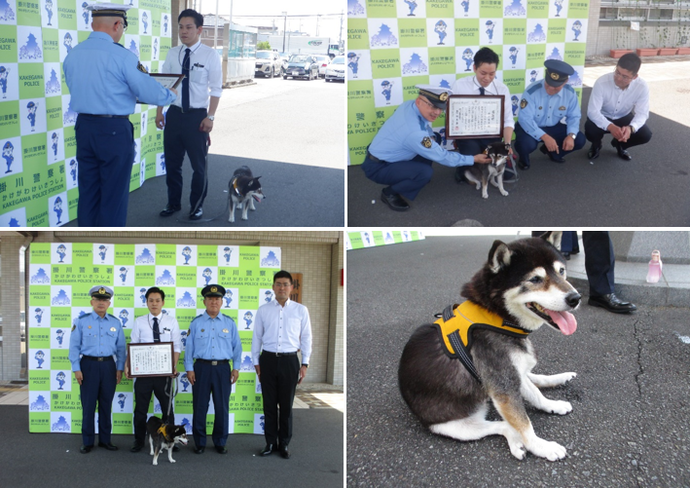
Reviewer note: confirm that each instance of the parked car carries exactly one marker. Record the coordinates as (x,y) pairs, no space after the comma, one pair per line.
(302,66)
(323,63)
(284,58)
(268,63)
(336,69)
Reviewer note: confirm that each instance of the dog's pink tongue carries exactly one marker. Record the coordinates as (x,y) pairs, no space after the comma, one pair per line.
(564,320)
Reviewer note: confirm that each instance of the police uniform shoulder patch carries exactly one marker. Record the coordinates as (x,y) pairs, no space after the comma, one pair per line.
(523,103)
(74,327)
(142,68)
(426,142)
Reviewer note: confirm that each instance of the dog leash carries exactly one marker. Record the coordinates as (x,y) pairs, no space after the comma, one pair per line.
(172,394)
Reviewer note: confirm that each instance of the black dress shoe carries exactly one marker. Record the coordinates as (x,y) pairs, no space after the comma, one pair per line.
(197,214)
(199,450)
(522,165)
(566,255)
(268,449)
(556,158)
(284,452)
(221,450)
(85,449)
(395,202)
(169,210)
(622,153)
(612,303)
(136,447)
(109,446)
(594,152)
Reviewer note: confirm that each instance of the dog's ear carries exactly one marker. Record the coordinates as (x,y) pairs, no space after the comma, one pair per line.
(499,256)
(257,177)
(554,238)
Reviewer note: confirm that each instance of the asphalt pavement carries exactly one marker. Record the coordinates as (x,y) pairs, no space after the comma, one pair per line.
(649,191)
(30,460)
(628,427)
(289,132)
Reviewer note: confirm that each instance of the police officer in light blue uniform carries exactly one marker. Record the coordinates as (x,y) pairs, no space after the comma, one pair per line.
(544,106)
(212,341)
(97,353)
(105,80)
(404,148)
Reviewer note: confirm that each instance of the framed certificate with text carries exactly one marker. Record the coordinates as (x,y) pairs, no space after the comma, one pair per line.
(150,359)
(167,80)
(474,116)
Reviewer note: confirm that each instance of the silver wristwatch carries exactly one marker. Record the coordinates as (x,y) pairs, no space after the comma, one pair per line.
(211,117)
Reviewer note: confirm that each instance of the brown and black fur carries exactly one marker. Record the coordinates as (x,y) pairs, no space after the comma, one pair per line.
(164,436)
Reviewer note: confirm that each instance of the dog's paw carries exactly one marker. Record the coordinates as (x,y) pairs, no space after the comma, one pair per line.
(479,186)
(503,192)
(559,407)
(155,463)
(231,219)
(517,448)
(245,218)
(173,461)
(552,451)
(485,195)
(568,377)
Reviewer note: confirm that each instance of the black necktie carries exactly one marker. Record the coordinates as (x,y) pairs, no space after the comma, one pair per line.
(481,90)
(185,80)
(156,332)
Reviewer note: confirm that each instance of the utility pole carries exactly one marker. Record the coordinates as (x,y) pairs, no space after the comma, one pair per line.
(284,29)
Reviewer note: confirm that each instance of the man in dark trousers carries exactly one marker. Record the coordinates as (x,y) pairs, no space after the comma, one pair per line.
(105,80)
(153,327)
(97,354)
(282,328)
(190,118)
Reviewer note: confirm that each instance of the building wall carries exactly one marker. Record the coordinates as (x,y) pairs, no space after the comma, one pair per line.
(317,255)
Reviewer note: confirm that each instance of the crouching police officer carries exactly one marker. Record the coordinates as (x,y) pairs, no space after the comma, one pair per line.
(97,354)
(544,104)
(402,151)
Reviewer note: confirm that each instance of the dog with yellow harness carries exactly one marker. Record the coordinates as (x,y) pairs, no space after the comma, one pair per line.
(164,436)
(480,350)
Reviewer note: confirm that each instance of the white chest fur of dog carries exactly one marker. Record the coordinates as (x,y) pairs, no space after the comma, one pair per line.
(482,174)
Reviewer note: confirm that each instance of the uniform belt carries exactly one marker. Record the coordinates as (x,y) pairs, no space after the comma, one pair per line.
(98,358)
(214,362)
(374,158)
(278,354)
(107,116)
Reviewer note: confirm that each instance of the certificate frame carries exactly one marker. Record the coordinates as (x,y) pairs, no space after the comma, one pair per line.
(168,80)
(150,359)
(475,116)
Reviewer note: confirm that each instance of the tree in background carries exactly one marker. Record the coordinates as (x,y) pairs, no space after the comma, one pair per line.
(263,46)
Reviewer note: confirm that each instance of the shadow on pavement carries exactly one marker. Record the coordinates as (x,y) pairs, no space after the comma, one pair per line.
(296,196)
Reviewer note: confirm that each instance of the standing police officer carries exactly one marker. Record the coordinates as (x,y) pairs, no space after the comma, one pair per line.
(212,341)
(404,148)
(190,118)
(95,339)
(105,80)
(543,105)
(153,327)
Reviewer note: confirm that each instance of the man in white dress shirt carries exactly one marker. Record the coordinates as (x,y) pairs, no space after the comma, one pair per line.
(484,82)
(155,326)
(619,105)
(189,119)
(282,328)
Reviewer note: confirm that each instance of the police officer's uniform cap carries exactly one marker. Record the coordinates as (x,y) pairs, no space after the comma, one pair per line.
(108,10)
(557,72)
(100,291)
(437,96)
(213,291)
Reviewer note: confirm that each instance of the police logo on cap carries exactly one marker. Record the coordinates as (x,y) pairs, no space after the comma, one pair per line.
(443,96)
(101,291)
(214,289)
(426,142)
(554,76)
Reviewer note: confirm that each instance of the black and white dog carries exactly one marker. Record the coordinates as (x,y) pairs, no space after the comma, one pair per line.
(481,174)
(164,436)
(479,350)
(243,190)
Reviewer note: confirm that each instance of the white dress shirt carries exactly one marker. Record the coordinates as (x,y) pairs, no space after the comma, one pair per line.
(282,329)
(470,86)
(205,73)
(607,101)
(142,330)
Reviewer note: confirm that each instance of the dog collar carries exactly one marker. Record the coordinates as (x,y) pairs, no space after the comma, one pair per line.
(457,323)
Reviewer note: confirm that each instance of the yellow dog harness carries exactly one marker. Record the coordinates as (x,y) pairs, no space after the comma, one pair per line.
(457,324)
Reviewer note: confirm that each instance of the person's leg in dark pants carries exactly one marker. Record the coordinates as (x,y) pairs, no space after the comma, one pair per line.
(196,145)
(174,147)
(201,394)
(142,399)
(269,392)
(287,384)
(221,387)
(108,382)
(599,265)
(89,396)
